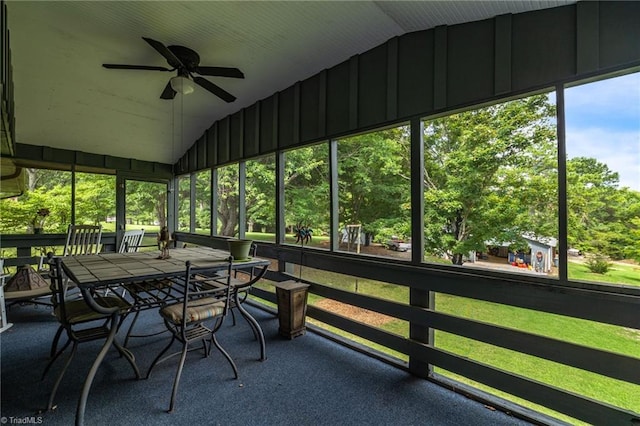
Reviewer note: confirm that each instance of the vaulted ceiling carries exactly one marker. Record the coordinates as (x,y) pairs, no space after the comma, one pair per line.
(65,99)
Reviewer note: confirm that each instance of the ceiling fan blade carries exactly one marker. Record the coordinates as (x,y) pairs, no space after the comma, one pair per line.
(164,51)
(168,92)
(220,72)
(218,91)
(135,67)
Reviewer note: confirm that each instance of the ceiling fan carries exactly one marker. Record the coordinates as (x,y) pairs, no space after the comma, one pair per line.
(186,62)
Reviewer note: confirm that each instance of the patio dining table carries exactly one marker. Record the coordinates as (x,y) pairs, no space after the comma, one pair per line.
(110,271)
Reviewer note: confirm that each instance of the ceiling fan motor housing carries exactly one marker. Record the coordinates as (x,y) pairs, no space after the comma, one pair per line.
(189,58)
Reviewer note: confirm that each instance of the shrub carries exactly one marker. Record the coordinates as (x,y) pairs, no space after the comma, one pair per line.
(598,264)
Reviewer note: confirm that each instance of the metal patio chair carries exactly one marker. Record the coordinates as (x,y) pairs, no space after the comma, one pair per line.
(81,323)
(81,240)
(131,241)
(196,318)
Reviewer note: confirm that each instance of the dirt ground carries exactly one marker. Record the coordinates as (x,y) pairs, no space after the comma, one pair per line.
(355,313)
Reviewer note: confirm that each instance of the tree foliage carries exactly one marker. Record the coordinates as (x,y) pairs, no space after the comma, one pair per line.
(374,182)
(489,174)
(306,183)
(228,200)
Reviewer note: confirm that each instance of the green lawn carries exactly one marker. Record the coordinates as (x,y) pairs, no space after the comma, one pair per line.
(619,273)
(588,333)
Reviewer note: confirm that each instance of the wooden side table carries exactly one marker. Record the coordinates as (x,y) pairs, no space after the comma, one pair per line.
(292,308)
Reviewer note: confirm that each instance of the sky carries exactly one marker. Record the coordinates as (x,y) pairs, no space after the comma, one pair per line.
(603,122)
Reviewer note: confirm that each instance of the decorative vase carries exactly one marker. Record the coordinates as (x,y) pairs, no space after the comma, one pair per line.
(239,249)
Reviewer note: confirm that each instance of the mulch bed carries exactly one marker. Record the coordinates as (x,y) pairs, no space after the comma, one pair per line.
(355,313)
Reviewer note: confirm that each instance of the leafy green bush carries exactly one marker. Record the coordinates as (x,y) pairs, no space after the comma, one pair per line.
(598,264)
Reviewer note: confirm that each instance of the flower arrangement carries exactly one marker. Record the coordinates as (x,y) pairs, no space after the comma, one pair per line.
(39,219)
(303,234)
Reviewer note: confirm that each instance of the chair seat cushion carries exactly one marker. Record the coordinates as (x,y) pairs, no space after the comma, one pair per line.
(78,311)
(197,310)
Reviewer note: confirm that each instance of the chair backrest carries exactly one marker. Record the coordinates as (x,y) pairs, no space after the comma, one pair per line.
(58,289)
(204,287)
(131,241)
(83,239)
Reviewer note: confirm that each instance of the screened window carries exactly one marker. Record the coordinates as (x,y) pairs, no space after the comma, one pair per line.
(603,180)
(96,200)
(306,193)
(490,187)
(184,203)
(203,202)
(374,193)
(145,205)
(228,200)
(260,198)
(45,207)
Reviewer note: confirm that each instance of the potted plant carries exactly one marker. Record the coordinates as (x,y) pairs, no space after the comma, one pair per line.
(292,295)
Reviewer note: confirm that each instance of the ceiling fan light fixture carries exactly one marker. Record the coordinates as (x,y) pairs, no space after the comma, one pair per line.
(182,85)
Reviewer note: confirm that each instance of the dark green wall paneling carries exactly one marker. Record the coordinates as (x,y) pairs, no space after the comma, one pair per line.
(587,33)
(338,99)
(502,49)
(619,33)
(251,128)
(96,160)
(392,79)
(415,73)
(286,100)
(543,47)
(63,156)
(192,156)
(38,154)
(440,67)
(223,140)
(212,145)
(437,70)
(138,166)
(470,62)
(310,108)
(268,125)
(110,162)
(201,152)
(236,136)
(372,87)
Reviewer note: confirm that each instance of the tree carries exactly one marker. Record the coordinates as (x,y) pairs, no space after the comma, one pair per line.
(489,174)
(146,202)
(260,196)
(95,198)
(228,201)
(306,183)
(374,182)
(602,219)
(203,200)
(184,202)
